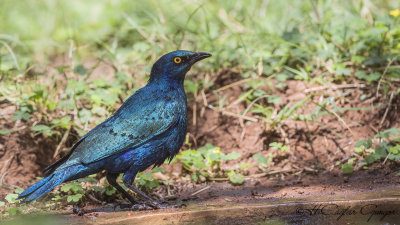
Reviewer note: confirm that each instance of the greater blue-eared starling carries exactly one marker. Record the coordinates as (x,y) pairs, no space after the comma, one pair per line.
(147,129)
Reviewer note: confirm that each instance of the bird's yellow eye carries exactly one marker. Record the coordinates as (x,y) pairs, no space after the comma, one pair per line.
(177,60)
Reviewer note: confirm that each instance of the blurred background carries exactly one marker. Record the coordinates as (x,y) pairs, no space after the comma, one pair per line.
(296,92)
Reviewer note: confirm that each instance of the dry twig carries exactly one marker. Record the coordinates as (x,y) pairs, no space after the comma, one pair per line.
(335,87)
(62,142)
(386,111)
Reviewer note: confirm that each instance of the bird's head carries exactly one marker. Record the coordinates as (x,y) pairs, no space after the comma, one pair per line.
(176,64)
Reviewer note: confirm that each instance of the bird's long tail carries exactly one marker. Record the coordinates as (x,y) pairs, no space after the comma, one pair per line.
(48,183)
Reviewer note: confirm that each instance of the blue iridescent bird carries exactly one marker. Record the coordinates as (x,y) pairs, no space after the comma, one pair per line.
(147,129)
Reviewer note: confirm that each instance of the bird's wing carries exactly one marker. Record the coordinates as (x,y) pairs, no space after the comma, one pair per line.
(139,119)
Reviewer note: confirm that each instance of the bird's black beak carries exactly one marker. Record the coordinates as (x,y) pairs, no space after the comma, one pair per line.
(198,56)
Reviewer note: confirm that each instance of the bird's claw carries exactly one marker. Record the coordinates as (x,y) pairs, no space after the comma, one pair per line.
(122,206)
(141,207)
(78,211)
(167,206)
(147,206)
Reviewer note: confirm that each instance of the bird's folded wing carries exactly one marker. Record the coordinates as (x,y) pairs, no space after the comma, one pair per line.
(130,127)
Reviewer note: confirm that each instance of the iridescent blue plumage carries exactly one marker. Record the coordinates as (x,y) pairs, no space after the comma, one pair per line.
(147,129)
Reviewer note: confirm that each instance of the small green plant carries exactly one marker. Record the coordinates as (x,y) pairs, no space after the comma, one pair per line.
(6,131)
(386,147)
(10,206)
(147,181)
(50,130)
(235,178)
(205,163)
(262,161)
(73,190)
(279,146)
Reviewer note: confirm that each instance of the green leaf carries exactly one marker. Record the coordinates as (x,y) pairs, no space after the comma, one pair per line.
(235,178)
(276,100)
(232,156)
(43,129)
(359,150)
(212,157)
(282,77)
(347,168)
(245,165)
(65,188)
(365,143)
(199,164)
(275,145)
(158,169)
(122,77)
(11,198)
(2,203)
(343,71)
(18,190)
(21,115)
(370,159)
(100,111)
(394,157)
(80,69)
(368,77)
(77,187)
(101,83)
(190,86)
(293,35)
(85,115)
(285,148)
(74,198)
(12,211)
(6,131)
(64,123)
(357,59)
(279,146)
(60,69)
(51,105)
(388,133)
(395,149)
(88,180)
(261,159)
(73,186)
(382,150)
(111,191)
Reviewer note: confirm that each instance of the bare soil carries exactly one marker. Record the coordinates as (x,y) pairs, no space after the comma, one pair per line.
(315,147)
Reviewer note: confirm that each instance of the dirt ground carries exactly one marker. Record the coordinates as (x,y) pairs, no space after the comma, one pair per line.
(315,147)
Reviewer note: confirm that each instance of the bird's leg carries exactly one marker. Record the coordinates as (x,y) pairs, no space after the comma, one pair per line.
(128,179)
(153,203)
(112,179)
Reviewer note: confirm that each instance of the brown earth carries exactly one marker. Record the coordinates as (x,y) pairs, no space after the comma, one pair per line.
(315,146)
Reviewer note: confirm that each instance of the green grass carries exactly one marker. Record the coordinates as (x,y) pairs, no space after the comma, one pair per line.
(53,54)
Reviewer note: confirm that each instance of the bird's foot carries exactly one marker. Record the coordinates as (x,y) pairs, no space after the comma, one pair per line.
(165,205)
(78,211)
(147,206)
(135,207)
(141,206)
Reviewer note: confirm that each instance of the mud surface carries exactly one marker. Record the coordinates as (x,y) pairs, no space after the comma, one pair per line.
(309,169)
(314,205)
